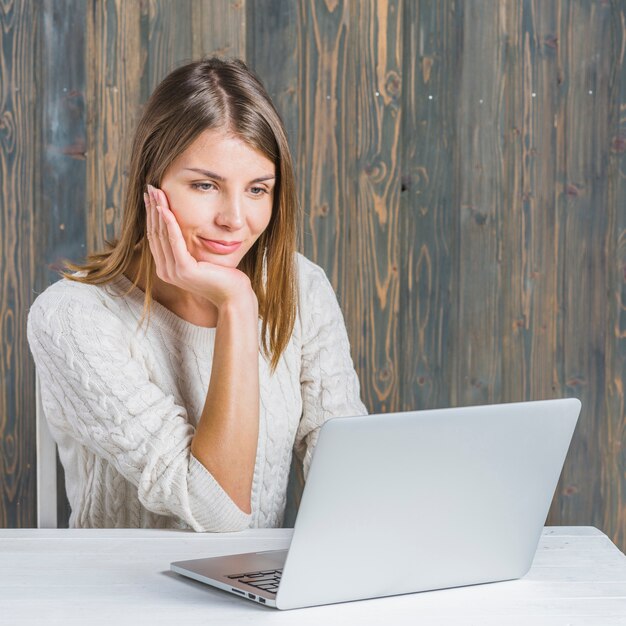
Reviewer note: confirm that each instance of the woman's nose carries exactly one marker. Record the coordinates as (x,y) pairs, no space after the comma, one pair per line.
(230,214)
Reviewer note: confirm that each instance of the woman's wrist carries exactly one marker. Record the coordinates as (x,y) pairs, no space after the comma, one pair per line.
(242,306)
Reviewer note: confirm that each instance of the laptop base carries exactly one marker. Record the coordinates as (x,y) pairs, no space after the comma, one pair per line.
(215,571)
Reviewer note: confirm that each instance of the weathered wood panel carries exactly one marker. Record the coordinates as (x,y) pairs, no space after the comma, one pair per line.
(428,218)
(581,200)
(475,344)
(115,60)
(613,440)
(217,27)
(529,343)
(372,264)
(516,257)
(63,199)
(170,38)
(20,177)
(461,169)
(324,152)
(273,51)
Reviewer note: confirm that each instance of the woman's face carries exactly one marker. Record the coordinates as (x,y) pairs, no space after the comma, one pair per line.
(221,192)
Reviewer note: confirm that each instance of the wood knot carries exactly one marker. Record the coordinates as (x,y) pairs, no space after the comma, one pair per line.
(552,41)
(576,381)
(480,218)
(618,145)
(392,84)
(385,374)
(376,171)
(77,150)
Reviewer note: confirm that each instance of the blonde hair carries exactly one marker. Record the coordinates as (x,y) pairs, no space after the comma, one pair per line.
(211,93)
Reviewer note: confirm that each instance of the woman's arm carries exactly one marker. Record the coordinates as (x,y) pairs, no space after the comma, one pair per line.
(226,437)
(97,390)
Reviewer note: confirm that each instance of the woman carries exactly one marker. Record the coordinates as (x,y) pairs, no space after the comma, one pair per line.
(190,419)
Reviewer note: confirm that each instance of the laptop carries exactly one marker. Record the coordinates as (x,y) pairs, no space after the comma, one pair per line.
(414,501)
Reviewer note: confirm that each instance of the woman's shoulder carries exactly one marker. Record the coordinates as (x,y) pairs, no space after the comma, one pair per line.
(67,298)
(317,300)
(310,274)
(66,290)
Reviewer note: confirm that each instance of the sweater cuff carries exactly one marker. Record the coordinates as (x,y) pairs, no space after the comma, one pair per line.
(212,508)
(310,447)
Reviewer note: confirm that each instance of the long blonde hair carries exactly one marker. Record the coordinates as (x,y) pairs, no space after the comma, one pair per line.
(208,94)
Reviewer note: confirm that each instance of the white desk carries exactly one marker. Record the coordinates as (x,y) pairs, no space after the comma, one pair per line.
(120,577)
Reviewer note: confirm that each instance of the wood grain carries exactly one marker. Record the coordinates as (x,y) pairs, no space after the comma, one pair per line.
(428,219)
(273,51)
(519,266)
(531,173)
(217,27)
(325,95)
(613,434)
(172,29)
(460,167)
(20,177)
(581,154)
(474,343)
(115,64)
(372,267)
(64,159)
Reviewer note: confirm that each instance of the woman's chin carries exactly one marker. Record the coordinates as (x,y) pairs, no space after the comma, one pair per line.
(225,260)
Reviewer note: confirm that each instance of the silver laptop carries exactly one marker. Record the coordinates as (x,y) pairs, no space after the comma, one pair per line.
(405,502)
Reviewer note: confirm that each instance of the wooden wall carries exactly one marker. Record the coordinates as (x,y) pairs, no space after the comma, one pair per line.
(461,165)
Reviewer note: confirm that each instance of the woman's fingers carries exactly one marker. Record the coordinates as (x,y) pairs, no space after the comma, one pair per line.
(174,262)
(176,255)
(163,234)
(152,233)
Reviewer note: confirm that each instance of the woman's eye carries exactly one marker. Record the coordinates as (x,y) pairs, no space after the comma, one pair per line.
(202,186)
(255,191)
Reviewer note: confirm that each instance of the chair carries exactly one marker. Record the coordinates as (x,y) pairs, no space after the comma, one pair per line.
(46,468)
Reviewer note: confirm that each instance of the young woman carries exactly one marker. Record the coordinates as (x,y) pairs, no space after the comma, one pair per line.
(181,367)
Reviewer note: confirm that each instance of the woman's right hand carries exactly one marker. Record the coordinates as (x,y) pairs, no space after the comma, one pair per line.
(175,264)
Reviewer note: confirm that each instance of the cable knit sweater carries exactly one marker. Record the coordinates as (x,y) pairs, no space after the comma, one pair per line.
(122,404)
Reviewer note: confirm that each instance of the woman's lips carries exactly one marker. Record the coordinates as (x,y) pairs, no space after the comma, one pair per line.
(220,247)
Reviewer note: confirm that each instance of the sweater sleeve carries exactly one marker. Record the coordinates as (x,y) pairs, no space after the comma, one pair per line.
(85,362)
(329,383)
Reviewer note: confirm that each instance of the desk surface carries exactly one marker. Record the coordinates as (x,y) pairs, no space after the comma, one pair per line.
(122,577)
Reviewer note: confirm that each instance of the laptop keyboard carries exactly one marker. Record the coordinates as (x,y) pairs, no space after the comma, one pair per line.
(266,580)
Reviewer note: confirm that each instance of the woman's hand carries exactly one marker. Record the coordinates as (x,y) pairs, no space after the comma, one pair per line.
(175,265)
(226,437)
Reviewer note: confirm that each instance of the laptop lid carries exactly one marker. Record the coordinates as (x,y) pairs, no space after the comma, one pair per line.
(420,500)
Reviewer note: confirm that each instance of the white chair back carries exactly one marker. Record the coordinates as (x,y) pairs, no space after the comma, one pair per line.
(46,469)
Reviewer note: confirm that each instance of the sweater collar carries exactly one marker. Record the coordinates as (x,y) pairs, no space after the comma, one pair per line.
(172,324)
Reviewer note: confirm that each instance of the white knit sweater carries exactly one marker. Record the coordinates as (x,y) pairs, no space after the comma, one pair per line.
(123,404)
